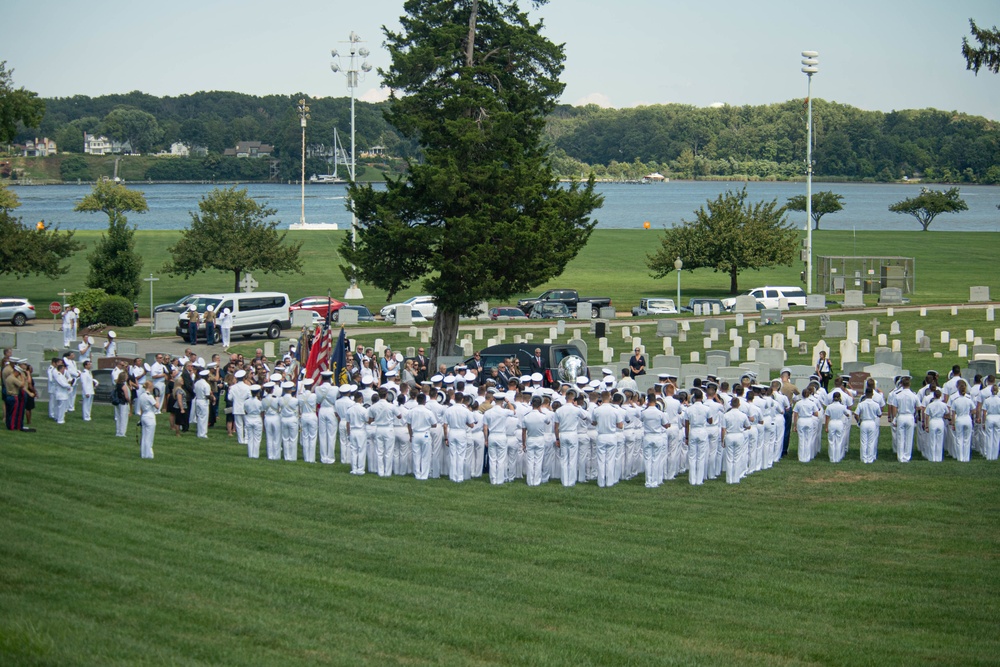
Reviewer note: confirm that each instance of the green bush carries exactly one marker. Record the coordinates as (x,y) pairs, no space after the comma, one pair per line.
(89,302)
(116,311)
(73,167)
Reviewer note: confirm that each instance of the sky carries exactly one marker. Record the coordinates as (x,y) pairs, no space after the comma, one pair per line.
(874,54)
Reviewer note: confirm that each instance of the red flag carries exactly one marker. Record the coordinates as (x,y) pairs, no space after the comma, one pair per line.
(319,355)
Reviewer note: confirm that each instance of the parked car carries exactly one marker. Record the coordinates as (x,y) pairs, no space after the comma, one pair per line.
(550,310)
(703,303)
(654,306)
(178,306)
(569,297)
(415,315)
(423,304)
(507,313)
(253,313)
(317,304)
(770,296)
(16,310)
(364,315)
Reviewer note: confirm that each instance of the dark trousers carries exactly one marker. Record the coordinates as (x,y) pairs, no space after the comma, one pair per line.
(192,332)
(15,412)
(210,333)
(788,431)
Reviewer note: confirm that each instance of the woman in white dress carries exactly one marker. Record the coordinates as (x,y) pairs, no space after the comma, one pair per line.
(148,407)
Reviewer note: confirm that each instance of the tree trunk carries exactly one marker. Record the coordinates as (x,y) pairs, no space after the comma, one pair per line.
(470,40)
(236,283)
(734,287)
(443,337)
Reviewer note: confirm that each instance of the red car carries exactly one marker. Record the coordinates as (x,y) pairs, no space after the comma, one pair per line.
(317,304)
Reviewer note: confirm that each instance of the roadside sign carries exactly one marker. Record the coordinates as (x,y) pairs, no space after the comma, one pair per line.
(55,307)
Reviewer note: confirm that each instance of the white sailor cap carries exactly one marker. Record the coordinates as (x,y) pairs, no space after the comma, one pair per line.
(268,385)
(785,369)
(76,311)
(450,379)
(274,377)
(308,382)
(582,380)
(594,384)
(255,387)
(327,374)
(460,367)
(392,373)
(470,376)
(345,388)
(437,378)
(536,377)
(212,364)
(112,334)
(240,374)
(203,373)
(287,385)
(607,371)
(588,389)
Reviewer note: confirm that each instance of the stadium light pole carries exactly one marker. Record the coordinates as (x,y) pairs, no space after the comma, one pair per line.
(678,264)
(809,62)
(303,109)
(353,68)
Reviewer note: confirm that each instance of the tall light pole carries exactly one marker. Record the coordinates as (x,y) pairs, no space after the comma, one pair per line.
(355,54)
(810,67)
(678,264)
(152,315)
(303,109)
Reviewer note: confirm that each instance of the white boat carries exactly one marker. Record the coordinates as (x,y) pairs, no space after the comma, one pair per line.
(326,179)
(339,155)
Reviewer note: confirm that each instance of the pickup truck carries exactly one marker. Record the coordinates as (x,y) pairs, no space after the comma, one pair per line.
(570,297)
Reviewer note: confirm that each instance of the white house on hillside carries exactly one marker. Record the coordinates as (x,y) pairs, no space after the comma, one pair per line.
(102,145)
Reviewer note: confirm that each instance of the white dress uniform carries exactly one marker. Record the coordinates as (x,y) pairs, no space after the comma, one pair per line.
(420,421)
(962,407)
(87,386)
(782,404)
(202,390)
(458,420)
(654,441)
(253,425)
(806,428)
(567,418)
(326,422)
(62,387)
(402,451)
(868,413)
(675,434)
(713,464)
(272,425)
(534,426)
(549,455)
(357,432)
(239,393)
(289,410)
(736,425)
(906,410)
(73,373)
(381,418)
(50,389)
(514,452)
(698,416)
(308,424)
(225,322)
(147,422)
(342,405)
(836,412)
(991,426)
(495,429)
(68,326)
(438,466)
(935,412)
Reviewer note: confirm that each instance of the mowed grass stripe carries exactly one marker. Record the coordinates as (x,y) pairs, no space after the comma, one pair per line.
(203,556)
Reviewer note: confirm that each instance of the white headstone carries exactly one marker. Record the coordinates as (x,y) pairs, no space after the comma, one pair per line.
(751,354)
(963,350)
(953,345)
(560,327)
(990,314)
(894,328)
(379,346)
(979,294)
(778,341)
(637,342)
(733,333)
(668,342)
(923,312)
(413,332)
(848,352)
(685,325)
(626,332)
(553,332)
(697,309)
(883,340)
(529,336)
(852,331)
(517,339)
(738,341)
(739,319)
(668,351)
(682,336)
(695,357)
(866,346)
(821,346)
(248,284)
(602,344)
(268,349)
(478,331)
(793,340)
(919,335)
(790,331)
(502,333)
(713,334)
(425,337)
(954,310)
(547,341)
(996,334)
(945,336)
(970,335)
(745,304)
(782,303)
(490,342)
(707,343)
(608,355)
(751,326)
(767,341)
(584,310)
(897,345)
(889,311)
(734,354)
(404,315)
(800,325)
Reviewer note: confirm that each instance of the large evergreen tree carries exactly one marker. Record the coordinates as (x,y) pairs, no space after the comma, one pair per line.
(481,217)
(232,233)
(114,264)
(729,236)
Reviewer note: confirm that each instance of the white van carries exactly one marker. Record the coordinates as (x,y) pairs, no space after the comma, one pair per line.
(253,313)
(770,297)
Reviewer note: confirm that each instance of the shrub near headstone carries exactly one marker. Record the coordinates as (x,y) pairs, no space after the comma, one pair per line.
(116,311)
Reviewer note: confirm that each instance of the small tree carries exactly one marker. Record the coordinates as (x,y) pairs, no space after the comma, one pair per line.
(233,233)
(30,250)
(929,204)
(987,54)
(114,264)
(731,236)
(822,203)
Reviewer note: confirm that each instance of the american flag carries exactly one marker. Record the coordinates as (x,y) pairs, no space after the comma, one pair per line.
(319,354)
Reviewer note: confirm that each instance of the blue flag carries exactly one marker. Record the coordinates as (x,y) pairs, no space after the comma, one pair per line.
(338,360)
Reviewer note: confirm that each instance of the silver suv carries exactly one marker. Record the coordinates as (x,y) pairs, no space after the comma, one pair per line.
(16,311)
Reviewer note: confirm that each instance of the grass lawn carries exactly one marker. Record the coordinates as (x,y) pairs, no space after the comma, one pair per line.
(613,264)
(202,556)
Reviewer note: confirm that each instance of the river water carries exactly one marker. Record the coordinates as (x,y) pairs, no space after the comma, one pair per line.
(625,206)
